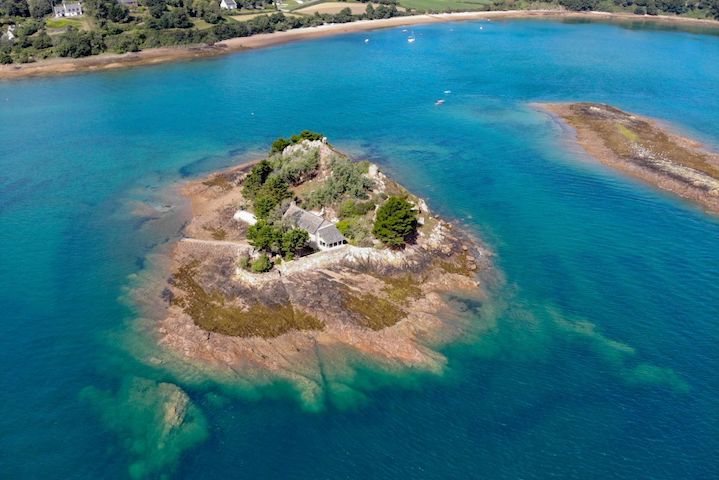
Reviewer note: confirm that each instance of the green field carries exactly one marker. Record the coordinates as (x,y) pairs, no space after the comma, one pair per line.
(444,5)
(79,23)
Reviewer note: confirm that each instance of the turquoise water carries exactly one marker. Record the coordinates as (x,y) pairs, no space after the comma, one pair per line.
(600,361)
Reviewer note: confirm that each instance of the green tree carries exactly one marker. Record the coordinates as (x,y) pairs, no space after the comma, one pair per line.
(293,241)
(155,7)
(265,237)
(256,178)
(80,44)
(42,41)
(5,58)
(39,8)
(107,10)
(279,145)
(263,206)
(276,188)
(715,9)
(16,8)
(579,5)
(262,264)
(396,221)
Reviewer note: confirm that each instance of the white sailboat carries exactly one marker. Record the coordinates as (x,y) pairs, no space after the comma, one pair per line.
(411,38)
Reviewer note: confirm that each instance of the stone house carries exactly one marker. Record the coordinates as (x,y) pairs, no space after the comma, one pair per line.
(323,233)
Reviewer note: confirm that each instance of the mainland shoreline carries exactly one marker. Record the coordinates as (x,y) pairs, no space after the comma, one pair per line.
(155,56)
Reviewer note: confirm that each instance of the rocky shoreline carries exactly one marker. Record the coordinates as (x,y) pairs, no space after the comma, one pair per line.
(305,317)
(644,149)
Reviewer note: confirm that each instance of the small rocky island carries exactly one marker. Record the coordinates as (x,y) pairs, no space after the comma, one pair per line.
(306,258)
(642,148)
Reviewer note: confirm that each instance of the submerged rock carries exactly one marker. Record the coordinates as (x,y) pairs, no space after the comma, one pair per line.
(156,422)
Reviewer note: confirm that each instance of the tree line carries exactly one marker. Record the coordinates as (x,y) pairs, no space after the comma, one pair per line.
(168,23)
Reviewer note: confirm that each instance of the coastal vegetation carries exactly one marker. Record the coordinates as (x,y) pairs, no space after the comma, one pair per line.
(396,221)
(213,312)
(30,33)
(272,273)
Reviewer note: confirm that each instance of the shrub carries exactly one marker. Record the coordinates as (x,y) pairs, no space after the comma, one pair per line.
(306,135)
(244,262)
(579,5)
(80,44)
(347,179)
(297,168)
(279,145)
(352,208)
(396,221)
(262,264)
(42,41)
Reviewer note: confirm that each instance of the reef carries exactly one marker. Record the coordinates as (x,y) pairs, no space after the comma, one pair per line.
(644,149)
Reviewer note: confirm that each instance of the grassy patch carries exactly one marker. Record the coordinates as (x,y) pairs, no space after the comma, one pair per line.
(210,311)
(620,132)
(628,134)
(218,233)
(402,289)
(334,7)
(375,312)
(78,23)
(458,264)
(446,5)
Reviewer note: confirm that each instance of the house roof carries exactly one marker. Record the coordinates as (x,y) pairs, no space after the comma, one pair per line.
(67,7)
(230,3)
(304,219)
(329,234)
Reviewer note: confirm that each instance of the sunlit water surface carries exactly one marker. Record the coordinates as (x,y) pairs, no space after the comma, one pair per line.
(601,358)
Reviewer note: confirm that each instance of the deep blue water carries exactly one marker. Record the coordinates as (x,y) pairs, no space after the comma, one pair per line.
(535,396)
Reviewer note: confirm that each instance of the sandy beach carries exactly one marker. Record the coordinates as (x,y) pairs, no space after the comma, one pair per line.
(153,56)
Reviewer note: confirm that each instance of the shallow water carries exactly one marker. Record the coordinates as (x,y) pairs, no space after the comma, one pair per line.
(599,361)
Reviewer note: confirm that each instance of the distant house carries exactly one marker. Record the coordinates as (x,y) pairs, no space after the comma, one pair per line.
(323,234)
(128,3)
(228,4)
(68,10)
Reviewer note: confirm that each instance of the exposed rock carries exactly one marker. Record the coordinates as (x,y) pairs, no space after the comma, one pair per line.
(644,149)
(378,304)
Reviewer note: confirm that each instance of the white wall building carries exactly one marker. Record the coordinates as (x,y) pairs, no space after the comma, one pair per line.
(228,4)
(68,10)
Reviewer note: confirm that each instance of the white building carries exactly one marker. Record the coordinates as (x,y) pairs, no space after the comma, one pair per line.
(68,10)
(245,216)
(323,234)
(228,4)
